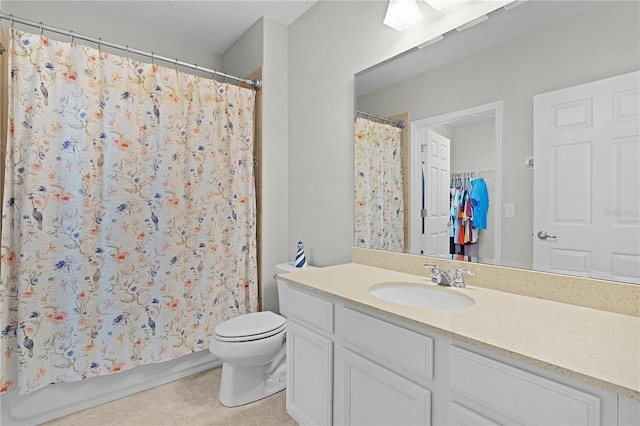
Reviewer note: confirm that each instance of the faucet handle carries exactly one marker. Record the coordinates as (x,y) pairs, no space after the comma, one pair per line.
(458,277)
(433,267)
(460,271)
(435,272)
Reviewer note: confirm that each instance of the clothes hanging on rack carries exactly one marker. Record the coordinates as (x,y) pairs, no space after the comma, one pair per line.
(469,203)
(479,202)
(462,179)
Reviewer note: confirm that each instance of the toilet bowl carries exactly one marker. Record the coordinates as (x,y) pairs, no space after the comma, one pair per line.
(252,349)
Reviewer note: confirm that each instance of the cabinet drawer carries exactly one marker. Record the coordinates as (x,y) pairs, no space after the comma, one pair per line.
(400,350)
(519,395)
(310,310)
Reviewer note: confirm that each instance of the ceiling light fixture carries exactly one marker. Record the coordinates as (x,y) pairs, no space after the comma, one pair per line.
(401,14)
(440,4)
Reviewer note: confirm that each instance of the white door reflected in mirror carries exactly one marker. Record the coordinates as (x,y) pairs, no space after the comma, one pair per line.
(586,148)
(436,164)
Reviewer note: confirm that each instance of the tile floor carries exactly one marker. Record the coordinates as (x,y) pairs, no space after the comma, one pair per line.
(189,401)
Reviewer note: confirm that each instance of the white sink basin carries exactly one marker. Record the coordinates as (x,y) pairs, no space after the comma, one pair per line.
(419,296)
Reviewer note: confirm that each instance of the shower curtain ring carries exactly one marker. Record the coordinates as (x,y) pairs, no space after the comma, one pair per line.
(152,59)
(176,64)
(127,50)
(11,28)
(99,44)
(41,29)
(72,36)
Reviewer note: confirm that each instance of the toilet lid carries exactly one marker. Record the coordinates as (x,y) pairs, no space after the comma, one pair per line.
(257,325)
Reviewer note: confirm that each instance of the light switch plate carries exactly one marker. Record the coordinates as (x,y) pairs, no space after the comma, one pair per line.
(509,210)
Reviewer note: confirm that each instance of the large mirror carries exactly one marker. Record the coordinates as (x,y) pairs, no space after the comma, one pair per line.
(519,101)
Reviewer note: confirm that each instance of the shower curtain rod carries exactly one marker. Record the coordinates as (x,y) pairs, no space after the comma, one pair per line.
(398,123)
(254,84)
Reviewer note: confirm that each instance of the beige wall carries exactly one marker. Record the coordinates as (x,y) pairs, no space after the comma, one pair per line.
(473,146)
(275,176)
(327,45)
(247,53)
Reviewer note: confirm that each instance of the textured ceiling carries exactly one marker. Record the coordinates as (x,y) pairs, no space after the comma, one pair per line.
(212,25)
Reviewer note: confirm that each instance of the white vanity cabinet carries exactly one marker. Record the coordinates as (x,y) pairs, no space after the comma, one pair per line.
(348,365)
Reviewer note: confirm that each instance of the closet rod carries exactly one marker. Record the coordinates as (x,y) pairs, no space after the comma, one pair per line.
(473,171)
(254,84)
(398,123)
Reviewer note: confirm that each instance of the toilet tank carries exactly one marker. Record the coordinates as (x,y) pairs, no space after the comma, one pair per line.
(285,268)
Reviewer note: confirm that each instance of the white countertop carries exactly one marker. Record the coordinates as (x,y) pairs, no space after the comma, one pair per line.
(593,346)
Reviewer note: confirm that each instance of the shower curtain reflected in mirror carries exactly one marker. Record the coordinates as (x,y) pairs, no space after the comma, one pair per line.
(378,190)
(129,225)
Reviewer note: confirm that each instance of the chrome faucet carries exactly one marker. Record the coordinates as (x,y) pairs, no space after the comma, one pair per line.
(438,275)
(442,277)
(458,277)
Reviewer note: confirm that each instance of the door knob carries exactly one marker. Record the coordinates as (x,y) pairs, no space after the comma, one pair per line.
(543,235)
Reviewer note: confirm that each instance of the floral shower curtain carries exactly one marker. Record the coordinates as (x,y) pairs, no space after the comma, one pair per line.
(379,206)
(128,226)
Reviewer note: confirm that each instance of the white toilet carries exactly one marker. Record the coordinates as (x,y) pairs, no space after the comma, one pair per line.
(252,350)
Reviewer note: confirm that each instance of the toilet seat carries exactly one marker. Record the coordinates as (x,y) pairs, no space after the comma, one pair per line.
(254,326)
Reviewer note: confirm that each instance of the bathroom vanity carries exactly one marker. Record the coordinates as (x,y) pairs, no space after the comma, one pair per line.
(353,358)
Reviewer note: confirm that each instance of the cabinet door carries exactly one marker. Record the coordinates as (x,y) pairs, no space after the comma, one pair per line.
(368,394)
(309,375)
